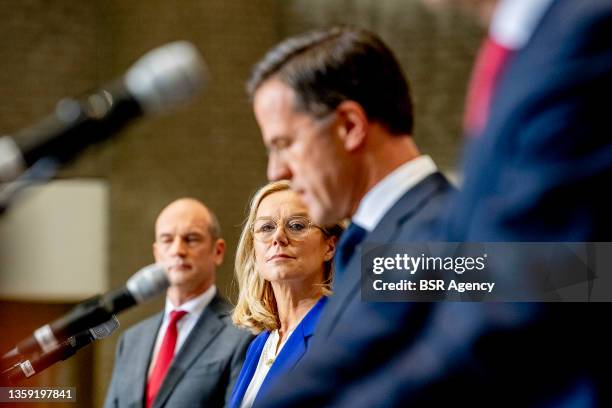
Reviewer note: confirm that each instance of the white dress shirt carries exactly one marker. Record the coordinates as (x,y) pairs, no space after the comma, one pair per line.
(379,200)
(194,309)
(514,21)
(266,359)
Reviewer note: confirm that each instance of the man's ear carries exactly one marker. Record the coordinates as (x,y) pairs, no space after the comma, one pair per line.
(352,125)
(155,252)
(219,251)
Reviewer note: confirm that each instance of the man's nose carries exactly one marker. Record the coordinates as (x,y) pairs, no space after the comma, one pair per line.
(178,247)
(278,168)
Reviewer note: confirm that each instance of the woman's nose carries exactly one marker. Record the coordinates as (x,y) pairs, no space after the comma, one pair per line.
(280,236)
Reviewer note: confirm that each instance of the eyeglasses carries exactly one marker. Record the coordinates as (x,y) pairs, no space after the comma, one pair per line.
(296,228)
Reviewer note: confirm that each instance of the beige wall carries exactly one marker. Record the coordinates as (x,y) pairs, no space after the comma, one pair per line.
(210,150)
(65,224)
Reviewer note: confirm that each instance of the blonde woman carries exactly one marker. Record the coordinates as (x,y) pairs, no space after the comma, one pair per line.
(284,271)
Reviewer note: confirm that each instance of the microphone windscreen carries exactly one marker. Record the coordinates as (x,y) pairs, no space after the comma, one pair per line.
(167,76)
(148,282)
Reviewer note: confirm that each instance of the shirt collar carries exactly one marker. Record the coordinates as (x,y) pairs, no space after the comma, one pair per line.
(514,21)
(386,192)
(193,306)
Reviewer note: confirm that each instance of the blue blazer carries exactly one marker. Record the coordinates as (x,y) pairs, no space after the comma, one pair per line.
(290,355)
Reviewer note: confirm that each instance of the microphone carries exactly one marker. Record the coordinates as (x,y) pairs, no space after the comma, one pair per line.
(145,284)
(64,350)
(162,79)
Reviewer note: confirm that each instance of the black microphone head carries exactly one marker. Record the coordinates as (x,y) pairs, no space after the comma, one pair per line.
(10,358)
(167,76)
(105,329)
(148,283)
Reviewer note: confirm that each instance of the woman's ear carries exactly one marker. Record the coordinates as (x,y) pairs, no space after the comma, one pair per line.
(331,248)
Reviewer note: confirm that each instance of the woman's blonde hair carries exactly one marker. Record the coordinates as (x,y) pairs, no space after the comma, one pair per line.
(256,306)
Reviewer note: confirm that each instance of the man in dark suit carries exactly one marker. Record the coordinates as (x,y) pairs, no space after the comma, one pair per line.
(537,161)
(539,154)
(542,152)
(534,173)
(336,117)
(190,354)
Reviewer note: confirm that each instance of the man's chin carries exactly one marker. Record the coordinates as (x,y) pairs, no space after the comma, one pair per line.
(178,277)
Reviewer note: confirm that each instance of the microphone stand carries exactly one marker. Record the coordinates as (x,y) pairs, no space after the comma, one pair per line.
(41,171)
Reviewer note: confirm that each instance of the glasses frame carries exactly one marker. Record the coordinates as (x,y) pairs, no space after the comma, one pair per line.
(287,231)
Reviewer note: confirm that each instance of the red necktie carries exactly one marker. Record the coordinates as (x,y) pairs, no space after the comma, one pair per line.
(489,65)
(164,358)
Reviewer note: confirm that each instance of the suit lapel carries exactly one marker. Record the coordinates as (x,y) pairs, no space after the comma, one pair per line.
(297,344)
(248,369)
(140,356)
(385,232)
(292,351)
(206,329)
(295,348)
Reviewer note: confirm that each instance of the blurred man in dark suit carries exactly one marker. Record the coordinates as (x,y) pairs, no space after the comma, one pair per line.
(537,122)
(539,157)
(336,117)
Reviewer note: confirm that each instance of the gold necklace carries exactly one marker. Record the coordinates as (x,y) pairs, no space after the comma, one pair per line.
(269,357)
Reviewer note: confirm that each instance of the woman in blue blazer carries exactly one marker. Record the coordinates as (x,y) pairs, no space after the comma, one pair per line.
(284,270)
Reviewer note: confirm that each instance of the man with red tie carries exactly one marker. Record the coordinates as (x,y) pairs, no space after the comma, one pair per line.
(538,161)
(190,354)
(537,123)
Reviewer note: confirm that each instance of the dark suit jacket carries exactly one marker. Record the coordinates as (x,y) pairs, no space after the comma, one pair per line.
(536,173)
(355,338)
(291,354)
(202,373)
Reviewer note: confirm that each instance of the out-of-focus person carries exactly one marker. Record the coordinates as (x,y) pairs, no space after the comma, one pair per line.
(539,146)
(335,114)
(284,269)
(539,152)
(190,354)
(538,155)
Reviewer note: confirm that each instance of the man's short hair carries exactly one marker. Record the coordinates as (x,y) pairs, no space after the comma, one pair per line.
(214,228)
(326,67)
